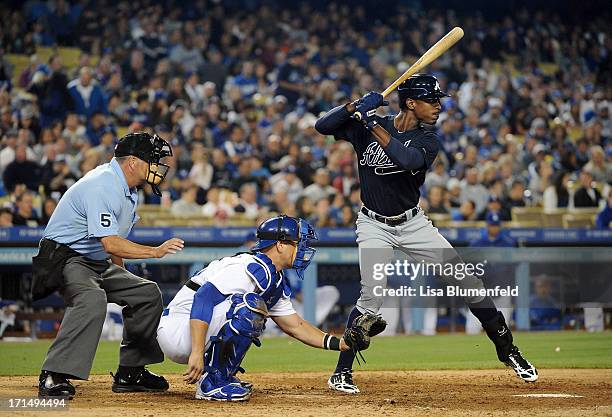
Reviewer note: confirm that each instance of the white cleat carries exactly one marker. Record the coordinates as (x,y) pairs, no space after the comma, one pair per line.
(343,381)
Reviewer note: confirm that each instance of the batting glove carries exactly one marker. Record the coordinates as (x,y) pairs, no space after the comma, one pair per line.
(369,119)
(370,101)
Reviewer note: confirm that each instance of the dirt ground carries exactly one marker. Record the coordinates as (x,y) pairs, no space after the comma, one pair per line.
(397,393)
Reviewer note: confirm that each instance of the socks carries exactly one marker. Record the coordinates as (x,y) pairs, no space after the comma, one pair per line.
(346,358)
(484,310)
(501,336)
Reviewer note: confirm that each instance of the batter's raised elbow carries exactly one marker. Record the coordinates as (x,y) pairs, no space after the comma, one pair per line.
(322,127)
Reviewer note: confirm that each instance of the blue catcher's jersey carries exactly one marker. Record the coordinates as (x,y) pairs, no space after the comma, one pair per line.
(245,272)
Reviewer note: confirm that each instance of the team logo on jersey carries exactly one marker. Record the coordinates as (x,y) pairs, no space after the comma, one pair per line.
(375,156)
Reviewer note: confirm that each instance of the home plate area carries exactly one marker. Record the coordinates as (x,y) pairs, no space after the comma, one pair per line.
(543,395)
(559,393)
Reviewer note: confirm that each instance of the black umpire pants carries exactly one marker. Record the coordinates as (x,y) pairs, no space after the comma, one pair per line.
(87,290)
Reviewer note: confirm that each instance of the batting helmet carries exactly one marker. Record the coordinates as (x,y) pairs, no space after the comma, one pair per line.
(149,148)
(419,87)
(285,228)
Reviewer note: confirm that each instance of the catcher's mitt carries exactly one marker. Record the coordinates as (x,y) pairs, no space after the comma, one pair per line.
(357,337)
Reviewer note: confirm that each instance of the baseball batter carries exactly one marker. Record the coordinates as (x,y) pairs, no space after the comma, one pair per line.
(212,321)
(394,153)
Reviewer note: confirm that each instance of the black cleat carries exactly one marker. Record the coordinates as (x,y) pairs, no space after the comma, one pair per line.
(524,370)
(52,384)
(138,380)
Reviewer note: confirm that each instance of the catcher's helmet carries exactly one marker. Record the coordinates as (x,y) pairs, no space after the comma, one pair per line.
(149,148)
(285,228)
(419,87)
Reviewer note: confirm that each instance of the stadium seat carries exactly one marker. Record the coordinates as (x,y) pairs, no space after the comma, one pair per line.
(152,208)
(584,211)
(183,222)
(70,57)
(548,68)
(584,220)
(19,63)
(43,53)
(553,218)
(454,224)
(525,214)
(437,218)
(521,224)
(122,131)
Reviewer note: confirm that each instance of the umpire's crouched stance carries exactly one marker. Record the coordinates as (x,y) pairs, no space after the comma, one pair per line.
(81,254)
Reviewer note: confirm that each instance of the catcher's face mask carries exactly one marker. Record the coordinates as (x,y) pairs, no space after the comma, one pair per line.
(289,229)
(304,253)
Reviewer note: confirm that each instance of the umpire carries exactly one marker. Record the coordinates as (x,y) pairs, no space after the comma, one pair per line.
(81,255)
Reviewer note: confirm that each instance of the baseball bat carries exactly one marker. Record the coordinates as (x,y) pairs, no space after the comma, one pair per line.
(427,58)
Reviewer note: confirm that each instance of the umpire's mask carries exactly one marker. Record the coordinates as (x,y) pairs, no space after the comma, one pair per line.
(149,148)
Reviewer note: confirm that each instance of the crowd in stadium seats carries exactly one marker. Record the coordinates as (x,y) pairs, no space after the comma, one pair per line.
(236,87)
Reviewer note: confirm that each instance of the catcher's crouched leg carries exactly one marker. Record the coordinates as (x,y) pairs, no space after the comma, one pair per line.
(173,336)
(246,322)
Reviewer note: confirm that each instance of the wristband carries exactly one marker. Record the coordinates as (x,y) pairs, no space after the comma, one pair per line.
(331,342)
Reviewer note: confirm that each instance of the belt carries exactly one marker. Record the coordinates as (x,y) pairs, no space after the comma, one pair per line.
(189,284)
(192,285)
(391,220)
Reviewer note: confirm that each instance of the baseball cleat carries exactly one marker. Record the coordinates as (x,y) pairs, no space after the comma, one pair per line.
(52,384)
(524,370)
(343,381)
(245,384)
(232,391)
(138,380)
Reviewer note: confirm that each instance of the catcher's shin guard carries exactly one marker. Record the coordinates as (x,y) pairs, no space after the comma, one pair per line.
(500,334)
(246,322)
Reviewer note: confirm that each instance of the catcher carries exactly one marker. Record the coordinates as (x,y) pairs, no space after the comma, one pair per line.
(213,320)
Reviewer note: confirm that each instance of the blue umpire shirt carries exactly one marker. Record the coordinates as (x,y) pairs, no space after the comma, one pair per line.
(99,204)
